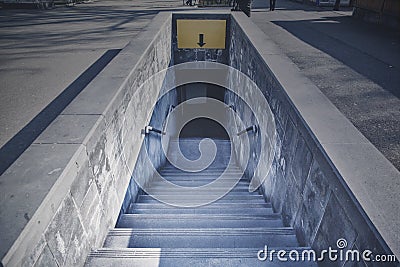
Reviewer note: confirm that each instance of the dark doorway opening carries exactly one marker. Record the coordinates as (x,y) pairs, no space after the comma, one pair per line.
(202,127)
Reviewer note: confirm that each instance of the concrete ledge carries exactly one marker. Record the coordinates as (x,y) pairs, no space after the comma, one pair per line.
(363,181)
(67,187)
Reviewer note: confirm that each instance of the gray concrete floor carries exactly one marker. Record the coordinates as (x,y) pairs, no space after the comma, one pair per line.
(42,52)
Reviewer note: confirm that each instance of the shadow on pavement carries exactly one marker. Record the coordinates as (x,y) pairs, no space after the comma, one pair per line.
(368,57)
(24,138)
(52,31)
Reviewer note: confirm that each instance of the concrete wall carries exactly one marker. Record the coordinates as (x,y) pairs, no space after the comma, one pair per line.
(328,181)
(151,149)
(200,54)
(60,198)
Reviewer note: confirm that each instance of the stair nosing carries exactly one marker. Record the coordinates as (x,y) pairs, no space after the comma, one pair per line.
(201,231)
(271,216)
(185,252)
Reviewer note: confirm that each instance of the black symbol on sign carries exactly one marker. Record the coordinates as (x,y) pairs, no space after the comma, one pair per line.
(201,42)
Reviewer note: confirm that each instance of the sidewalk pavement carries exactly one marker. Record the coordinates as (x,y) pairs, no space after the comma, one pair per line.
(48,56)
(43,51)
(354,63)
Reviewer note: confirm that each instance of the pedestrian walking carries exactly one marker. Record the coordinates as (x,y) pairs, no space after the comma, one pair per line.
(337,5)
(272,5)
(235,5)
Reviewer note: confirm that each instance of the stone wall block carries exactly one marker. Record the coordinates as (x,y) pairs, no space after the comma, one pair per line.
(78,247)
(279,192)
(82,182)
(62,227)
(366,240)
(292,202)
(99,162)
(289,142)
(46,259)
(36,253)
(335,225)
(301,163)
(270,181)
(315,197)
(361,263)
(108,200)
(92,213)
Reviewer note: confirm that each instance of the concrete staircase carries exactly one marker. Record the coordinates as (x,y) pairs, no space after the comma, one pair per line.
(228,232)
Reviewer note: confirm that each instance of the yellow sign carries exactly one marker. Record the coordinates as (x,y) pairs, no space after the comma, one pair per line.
(201,33)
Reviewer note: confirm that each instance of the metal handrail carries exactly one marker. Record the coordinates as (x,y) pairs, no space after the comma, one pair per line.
(233,109)
(149,129)
(171,107)
(248,129)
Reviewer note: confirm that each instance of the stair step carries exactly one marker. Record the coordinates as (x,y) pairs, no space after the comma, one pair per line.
(198,139)
(201,179)
(203,174)
(172,210)
(244,198)
(196,201)
(213,168)
(201,192)
(201,200)
(220,201)
(166,257)
(201,238)
(194,154)
(214,205)
(196,220)
(233,167)
(200,182)
(211,189)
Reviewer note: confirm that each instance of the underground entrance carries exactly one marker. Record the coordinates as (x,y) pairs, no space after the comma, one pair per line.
(315,175)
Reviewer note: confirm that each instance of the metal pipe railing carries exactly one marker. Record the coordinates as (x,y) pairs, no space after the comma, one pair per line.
(149,129)
(171,107)
(248,129)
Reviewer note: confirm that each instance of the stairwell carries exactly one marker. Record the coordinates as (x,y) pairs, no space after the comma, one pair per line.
(227,232)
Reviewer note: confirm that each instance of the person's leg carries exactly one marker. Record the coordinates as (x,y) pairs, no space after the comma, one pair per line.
(270,4)
(337,5)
